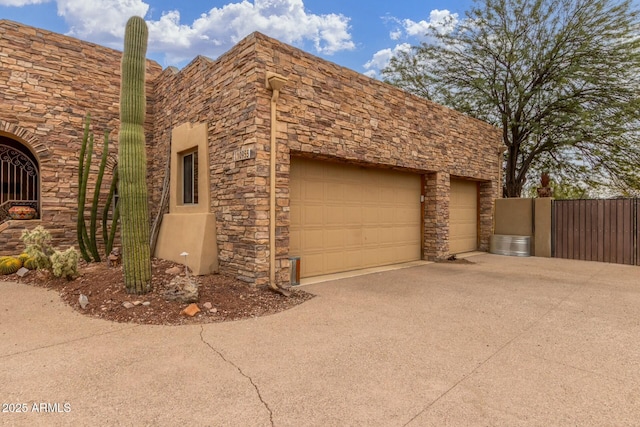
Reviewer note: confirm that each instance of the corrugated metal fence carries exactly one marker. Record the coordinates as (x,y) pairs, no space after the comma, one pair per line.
(597,230)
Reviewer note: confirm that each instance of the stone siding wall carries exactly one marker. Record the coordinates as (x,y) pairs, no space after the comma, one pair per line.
(222,94)
(329,112)
(48,83)
(324,111)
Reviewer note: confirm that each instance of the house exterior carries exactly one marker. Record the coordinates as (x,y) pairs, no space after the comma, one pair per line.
(365,174)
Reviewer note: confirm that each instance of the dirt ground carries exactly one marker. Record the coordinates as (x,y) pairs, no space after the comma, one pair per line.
(228,298)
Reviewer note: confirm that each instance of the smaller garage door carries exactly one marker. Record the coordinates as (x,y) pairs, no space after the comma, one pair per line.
(463,216)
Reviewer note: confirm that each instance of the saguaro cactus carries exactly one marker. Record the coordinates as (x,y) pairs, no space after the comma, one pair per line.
(132,162)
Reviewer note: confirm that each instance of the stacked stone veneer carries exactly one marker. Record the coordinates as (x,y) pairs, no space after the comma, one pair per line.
(327,112)
(48,83)
(324,111)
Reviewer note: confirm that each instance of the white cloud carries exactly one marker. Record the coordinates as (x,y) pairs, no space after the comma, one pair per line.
(382,57)
(220,28)
(20,3)
(213,33)
(442,21)
(100,21)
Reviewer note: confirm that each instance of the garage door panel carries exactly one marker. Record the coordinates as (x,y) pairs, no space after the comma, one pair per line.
(370,215)
(386,215)
(312,216)
(370,236)
(366,217)
(404,235)
(313,191)
(385,234)
(353,215)
(315,264)
(333,240)
(333,215)
(312,240)
(334,192)
(353,238)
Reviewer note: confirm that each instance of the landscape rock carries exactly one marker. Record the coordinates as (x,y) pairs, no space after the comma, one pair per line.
(208,305)
(146,303)
(174,270)
(84,301)
(137,303)
(182,289)
(213,310)
(22,272)
(191,310)
(113,260)
(127,304)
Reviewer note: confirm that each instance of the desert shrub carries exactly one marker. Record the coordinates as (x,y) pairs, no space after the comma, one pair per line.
(65,264)
(38,246)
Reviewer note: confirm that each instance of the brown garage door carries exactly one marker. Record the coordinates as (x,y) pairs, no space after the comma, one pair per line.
(347,218)
(463,216)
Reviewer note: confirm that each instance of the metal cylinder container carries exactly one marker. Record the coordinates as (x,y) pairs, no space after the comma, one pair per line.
(501,244)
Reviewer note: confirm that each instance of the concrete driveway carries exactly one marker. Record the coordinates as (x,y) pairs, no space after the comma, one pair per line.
(503,341)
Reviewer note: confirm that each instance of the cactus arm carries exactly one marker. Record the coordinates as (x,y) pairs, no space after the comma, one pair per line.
(107,206)
(114,228)
(108,238)
(82,188)
(87,169)
(96,198)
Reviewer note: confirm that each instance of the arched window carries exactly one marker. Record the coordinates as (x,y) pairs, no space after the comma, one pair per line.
(19,177)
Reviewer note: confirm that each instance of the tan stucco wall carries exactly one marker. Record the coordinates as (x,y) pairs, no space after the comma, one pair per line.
(543,227)
(526,217)
(184,137)
(514,217)
(194,233)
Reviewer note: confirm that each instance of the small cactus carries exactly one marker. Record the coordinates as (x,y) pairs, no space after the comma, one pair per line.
(10,265)
(65,264)
(38,246)
(30,264)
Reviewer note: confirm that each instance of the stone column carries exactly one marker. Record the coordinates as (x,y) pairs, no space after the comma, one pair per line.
(436,215)
(488,194)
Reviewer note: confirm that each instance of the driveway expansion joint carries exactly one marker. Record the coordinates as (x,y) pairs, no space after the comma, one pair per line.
(219,353)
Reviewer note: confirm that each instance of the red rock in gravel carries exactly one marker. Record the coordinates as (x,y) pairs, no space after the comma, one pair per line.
(191,310)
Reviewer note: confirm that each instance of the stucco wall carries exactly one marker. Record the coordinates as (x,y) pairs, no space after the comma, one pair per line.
(48,82)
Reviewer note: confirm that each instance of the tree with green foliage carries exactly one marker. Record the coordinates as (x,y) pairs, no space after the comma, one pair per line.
(560,77)
(132,163)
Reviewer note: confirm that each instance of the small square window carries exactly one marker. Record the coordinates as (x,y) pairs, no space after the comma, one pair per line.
(190,178)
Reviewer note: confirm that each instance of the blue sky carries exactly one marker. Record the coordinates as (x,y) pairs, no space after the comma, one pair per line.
(358,35)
